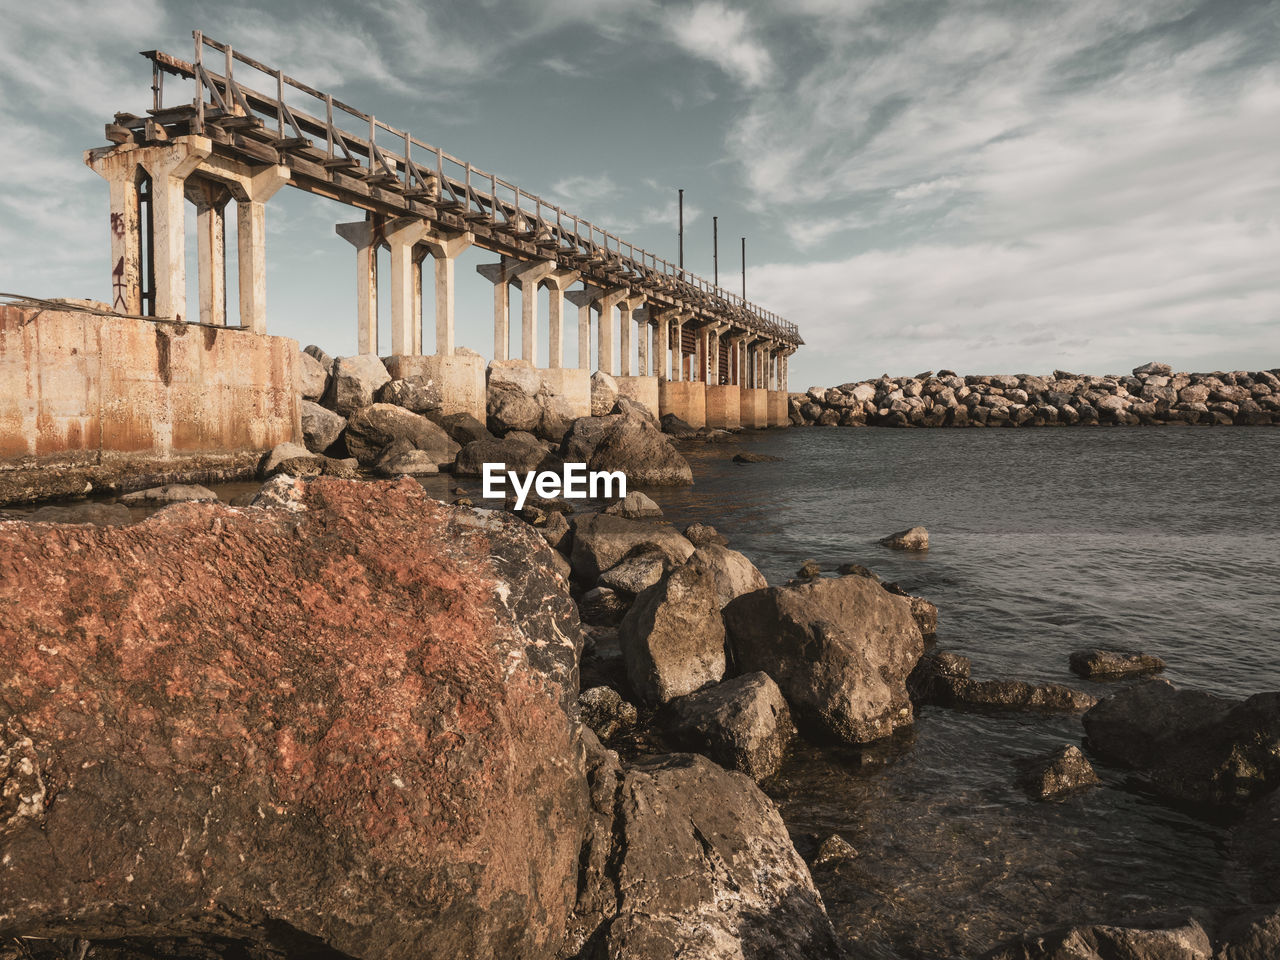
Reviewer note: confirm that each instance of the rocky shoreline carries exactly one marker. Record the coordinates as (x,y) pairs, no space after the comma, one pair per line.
(344,719)
(1153,394)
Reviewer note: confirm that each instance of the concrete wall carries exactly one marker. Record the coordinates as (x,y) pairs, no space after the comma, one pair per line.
(687,399)
(643,390)
(572,384)
(74,386)
(778,414)
(461,378)
(724,402)
(754,411)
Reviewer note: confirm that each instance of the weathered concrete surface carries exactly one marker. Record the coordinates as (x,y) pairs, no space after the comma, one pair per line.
(643,390)
(121,474)
(573,385)
(461,378)
(754,410)
(724,405)
(779,415)
(687,399)
(338,727)
(76,387)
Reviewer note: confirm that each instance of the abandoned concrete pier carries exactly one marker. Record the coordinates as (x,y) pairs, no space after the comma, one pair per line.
(673,341)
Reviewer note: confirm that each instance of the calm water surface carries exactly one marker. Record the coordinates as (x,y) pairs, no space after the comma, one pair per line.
(1042,542)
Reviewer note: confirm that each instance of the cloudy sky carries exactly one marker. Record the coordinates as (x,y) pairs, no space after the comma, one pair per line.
(986,185)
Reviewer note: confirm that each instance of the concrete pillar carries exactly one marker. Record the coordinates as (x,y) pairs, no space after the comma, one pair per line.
(366,237)
(642,323)
(662,346)
(444,247)
(122,171)
(584,300)
(499,274)
(627,308)
(529,277)
(169,166)
(677,360)
(211,200)
(402,235)
(556,283)
(251,248)
(604,335)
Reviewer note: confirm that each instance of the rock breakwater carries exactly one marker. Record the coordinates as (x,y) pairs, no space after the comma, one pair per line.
(1152,394)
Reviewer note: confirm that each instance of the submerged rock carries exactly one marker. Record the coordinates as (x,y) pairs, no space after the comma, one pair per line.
(834,851)
(1113,663)
(684,859)
(1160,937)
(99,514)
(1056,774)
(755,458)
(1190,745)
(916,539)
(171,493)
(741,724)
(943,679)
(839,649)
(306,731)
(673,638)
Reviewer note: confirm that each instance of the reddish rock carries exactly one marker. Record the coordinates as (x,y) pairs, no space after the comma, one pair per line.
(340,724)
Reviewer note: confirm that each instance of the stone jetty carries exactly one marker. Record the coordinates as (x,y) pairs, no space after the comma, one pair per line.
(1152,394)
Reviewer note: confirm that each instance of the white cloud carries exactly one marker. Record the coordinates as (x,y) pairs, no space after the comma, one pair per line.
(711,31)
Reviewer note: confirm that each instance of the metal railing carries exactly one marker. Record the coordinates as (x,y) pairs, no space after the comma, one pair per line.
(419,171)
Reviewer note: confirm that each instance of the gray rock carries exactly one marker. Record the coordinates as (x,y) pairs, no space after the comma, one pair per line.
(583,436)
(634,506)
(403,459)
(518,452)
(603,607)
(840,650)
(943,679)
(1158,937)
(600,541)
(321,427)
(684,859)
(316,353)
(673,638)
(627,407)
(1113,663)
(557,533)
(355,383)
(463,428)
(605,712)
(371,429)
(1158,369)
(1190,745)
(170,493)
(417,394)
(700,534)
(834,851)
(809,570)
(642,452)
(1056,774)
(313,378)
(604,393)
(510,408)
(741,724)
(98,514)
(915,538)
(755,458)
(517,373)
(281,453)
(734,574)
(636,574)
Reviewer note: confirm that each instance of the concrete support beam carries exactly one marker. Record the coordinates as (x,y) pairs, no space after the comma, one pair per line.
(557,282)
(584,300)
(366,237)
(211,200)
(529,277)
(627,308)
(169,167)
(499,274)
(402,235)
(251,249)
(444,247)
(604,334)
(122,171)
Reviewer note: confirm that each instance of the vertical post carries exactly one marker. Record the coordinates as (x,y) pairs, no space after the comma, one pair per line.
(715,250)
(122,175)
(604,337)
(251,250)
(365,236)
(744,269)
(444,275)
(643,333)
(555,327)
(625,323)
(501,320)
(211,248)
(681,202)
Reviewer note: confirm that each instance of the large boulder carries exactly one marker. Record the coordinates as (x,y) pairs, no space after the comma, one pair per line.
(463,428)
(673,637)
(418,394)
(600,541)
(742,724)
(337,727)
(371,429)
(511,408)
(321,427)
(517,452)
(914,538)
(604,393)
(583,436)
(517,373)
(839,648)
(1190,745)
(685,859)
(355,383)
(313,377)
(640,450)
(734,574)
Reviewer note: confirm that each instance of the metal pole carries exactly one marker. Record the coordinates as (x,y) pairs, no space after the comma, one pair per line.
(681,192)
(744,269)
(715,248)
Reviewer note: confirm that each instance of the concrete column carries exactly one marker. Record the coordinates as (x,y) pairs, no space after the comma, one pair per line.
(662,346)
(604,335)
(402,235)
(169,166)
(499,274)
(210,200)
(529,277)
(444,247)
(366,237)
(556,282)
(121,170)
(627,308)
(677,360)
(584,300)
(251,247)
(642,322)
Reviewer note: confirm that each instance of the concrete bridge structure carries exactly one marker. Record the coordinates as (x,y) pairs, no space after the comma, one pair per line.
(673,341)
